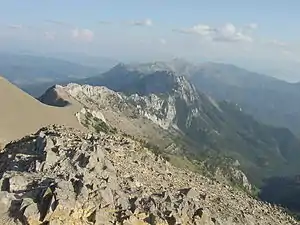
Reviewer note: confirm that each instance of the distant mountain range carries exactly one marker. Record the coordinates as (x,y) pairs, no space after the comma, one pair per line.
(210,118)
(268,99)
(98,62)
(206,128)
(35,74)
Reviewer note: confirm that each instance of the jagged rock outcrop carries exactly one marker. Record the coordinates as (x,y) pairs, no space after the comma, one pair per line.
(55,96)
(111,107)
(233,176)
(160,111)
(178,105)
(63,176)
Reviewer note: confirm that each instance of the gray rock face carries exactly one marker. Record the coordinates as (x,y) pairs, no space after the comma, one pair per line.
(161,111)
(116,111)
(168,103)
(62,176)
(233,176)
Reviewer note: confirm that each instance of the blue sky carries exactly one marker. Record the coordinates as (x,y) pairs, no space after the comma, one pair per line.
(263,35)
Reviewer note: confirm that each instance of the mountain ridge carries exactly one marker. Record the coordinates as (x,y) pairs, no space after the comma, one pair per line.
(266,98)
(173,103)
(57,166)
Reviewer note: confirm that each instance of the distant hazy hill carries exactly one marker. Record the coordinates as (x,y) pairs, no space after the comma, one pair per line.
(29,69)
(101,63)
(35,74)
(270,100)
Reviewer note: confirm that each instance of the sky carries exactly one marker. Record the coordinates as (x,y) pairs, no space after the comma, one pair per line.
(259,35)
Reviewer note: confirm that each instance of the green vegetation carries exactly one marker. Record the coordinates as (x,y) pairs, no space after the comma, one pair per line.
(206,165)
(262,150)
(98,124)
(185,163)
(154,148)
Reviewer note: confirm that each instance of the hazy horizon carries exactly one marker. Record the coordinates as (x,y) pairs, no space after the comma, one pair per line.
(259,36)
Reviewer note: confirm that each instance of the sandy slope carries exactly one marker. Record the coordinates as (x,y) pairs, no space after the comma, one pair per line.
(21,114)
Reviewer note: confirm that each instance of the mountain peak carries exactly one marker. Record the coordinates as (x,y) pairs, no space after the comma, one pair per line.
(169,100)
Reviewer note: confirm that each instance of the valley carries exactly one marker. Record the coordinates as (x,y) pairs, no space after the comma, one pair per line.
(149,112)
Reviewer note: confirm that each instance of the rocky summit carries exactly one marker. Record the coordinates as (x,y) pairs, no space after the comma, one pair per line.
(63,176)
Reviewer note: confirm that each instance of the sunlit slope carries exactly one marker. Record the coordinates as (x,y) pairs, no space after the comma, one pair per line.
(21,114)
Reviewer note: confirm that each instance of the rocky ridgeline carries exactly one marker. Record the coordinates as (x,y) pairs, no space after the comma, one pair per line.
(63,176)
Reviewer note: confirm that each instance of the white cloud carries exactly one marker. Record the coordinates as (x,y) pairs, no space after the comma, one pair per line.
(104,22)
(144,23)
(23,27)
(163,41)
(225,33)
(197,29)
(49,35)
(252,26)
(287,53)
(203,30)
(143,41)
(229,33)
(75,33)
(291,55)
(278,43)
(82,34)
(59,23)
(15,26)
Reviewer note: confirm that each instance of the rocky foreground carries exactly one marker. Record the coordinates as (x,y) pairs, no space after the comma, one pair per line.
(63,176)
